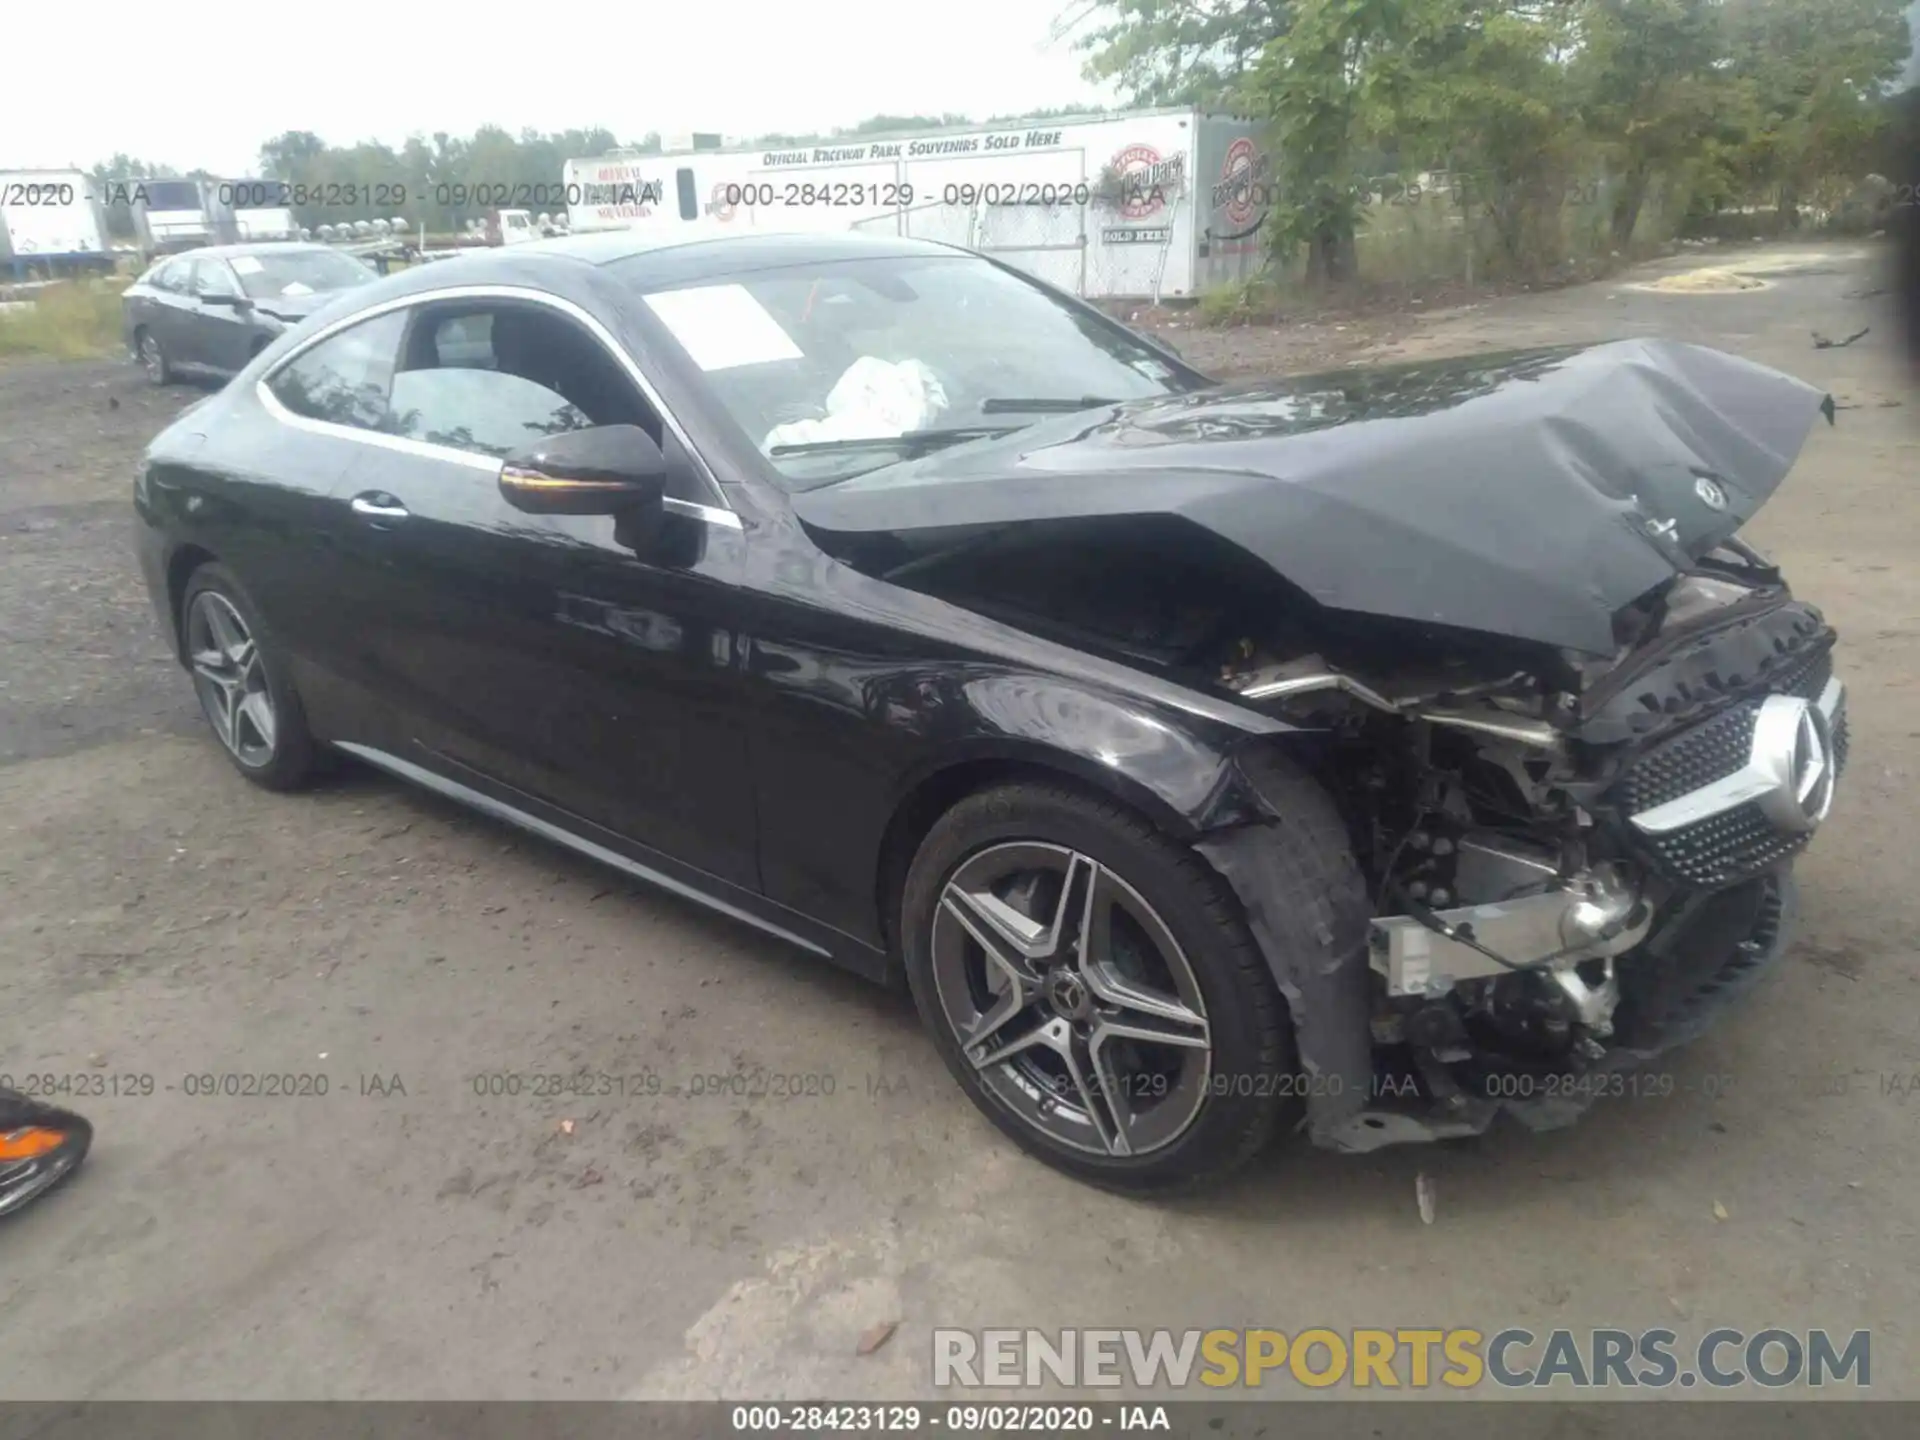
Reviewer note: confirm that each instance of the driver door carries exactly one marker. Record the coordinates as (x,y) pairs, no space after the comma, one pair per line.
(217,323)
(556,657)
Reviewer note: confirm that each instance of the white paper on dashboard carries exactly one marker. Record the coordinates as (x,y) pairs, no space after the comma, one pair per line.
(722,326)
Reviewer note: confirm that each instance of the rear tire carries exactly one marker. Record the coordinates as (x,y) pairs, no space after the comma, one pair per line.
(153,358)
(1163,1045)
(241,680)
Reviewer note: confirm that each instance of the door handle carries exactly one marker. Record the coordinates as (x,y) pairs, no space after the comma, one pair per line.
(378,507)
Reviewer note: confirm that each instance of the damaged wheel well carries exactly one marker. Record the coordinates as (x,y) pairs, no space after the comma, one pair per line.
(186,560)
(939,792)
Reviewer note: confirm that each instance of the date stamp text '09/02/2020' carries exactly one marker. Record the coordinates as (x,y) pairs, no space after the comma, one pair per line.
(745,1084)
(752,194)
(95,1081)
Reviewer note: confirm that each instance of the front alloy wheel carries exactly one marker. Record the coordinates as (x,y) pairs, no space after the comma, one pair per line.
(1092,986)
(1071,998)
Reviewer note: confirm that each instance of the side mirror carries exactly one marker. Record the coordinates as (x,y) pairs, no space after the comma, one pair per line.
(608,470)
(39,1147)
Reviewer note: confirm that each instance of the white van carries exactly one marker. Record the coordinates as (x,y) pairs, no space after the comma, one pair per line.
(1143,204)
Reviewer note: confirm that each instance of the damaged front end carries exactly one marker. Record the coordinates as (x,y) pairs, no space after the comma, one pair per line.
(1570,868)
(1575,729)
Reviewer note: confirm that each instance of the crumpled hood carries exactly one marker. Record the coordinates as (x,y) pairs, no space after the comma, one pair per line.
(1530,494)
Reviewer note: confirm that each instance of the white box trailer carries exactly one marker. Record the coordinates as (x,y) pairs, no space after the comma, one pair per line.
(251,209)
(1146,204)
(51,220)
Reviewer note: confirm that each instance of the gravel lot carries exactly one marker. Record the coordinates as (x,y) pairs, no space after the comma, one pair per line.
(406,1235)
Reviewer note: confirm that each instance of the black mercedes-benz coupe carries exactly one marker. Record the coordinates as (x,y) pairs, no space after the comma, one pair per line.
(1376,753)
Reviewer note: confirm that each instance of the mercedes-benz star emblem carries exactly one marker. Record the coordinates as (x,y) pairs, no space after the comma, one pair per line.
(1710,493)
(1791,739)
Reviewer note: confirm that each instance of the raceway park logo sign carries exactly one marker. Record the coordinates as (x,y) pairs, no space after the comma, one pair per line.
(1243,193)
(621,192)
(1146,180)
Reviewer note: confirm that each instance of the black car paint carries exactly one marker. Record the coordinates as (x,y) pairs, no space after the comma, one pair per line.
(727,706)
(730,708)
(1529,495)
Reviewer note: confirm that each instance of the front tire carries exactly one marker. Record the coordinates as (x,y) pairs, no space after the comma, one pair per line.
(242,683)
(1093,987)
(153,358)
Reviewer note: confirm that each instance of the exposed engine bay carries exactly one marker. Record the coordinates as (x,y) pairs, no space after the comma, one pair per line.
(1553,872)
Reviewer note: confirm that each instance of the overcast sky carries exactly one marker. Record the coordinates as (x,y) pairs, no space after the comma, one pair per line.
(206,90)
(206,93)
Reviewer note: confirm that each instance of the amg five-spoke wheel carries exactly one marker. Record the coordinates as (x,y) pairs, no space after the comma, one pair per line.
(231,679)
(249,704)
(1071,998)
(1092,985)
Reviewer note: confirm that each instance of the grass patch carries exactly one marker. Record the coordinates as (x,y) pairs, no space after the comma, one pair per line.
(74,320)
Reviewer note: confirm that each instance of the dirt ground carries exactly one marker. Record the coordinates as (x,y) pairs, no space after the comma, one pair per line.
(411,1233)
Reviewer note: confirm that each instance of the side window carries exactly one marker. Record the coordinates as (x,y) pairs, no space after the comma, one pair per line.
(485,411)
(464,341)
(494,377)
(211,277)
(172,276)
(348,379)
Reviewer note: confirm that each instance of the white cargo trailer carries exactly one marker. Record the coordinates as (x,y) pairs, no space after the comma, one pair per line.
(252,209)
(1143,204)
(50,220)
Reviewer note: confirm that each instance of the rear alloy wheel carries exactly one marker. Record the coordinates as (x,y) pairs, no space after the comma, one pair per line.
(1093,989)
(154,360)
(250,707)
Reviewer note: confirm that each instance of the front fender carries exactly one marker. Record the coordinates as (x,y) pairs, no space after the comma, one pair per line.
(1177,769)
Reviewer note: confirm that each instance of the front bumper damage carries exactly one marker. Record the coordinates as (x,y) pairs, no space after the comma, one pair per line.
(1708,953)
(1650,948)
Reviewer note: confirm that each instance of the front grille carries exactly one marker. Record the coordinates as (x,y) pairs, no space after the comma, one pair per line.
(1733,845)
(1740,842)
(1808,678)
(1709,751)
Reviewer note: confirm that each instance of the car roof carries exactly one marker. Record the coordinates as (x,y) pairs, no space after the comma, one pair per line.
(714,250)
(693,255)
(253,247)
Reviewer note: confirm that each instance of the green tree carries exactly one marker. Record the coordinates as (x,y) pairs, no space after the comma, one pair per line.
(1181,52)
(1312,82)
(1817,78)
(886,124)
(1483,88)
(287,155)
(1657,95)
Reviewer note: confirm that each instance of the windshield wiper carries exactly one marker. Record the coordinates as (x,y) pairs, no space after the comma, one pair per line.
(1042,405)
(911,440)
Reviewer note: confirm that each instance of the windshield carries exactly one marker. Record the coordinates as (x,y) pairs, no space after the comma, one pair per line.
(824,365)
(299,272)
